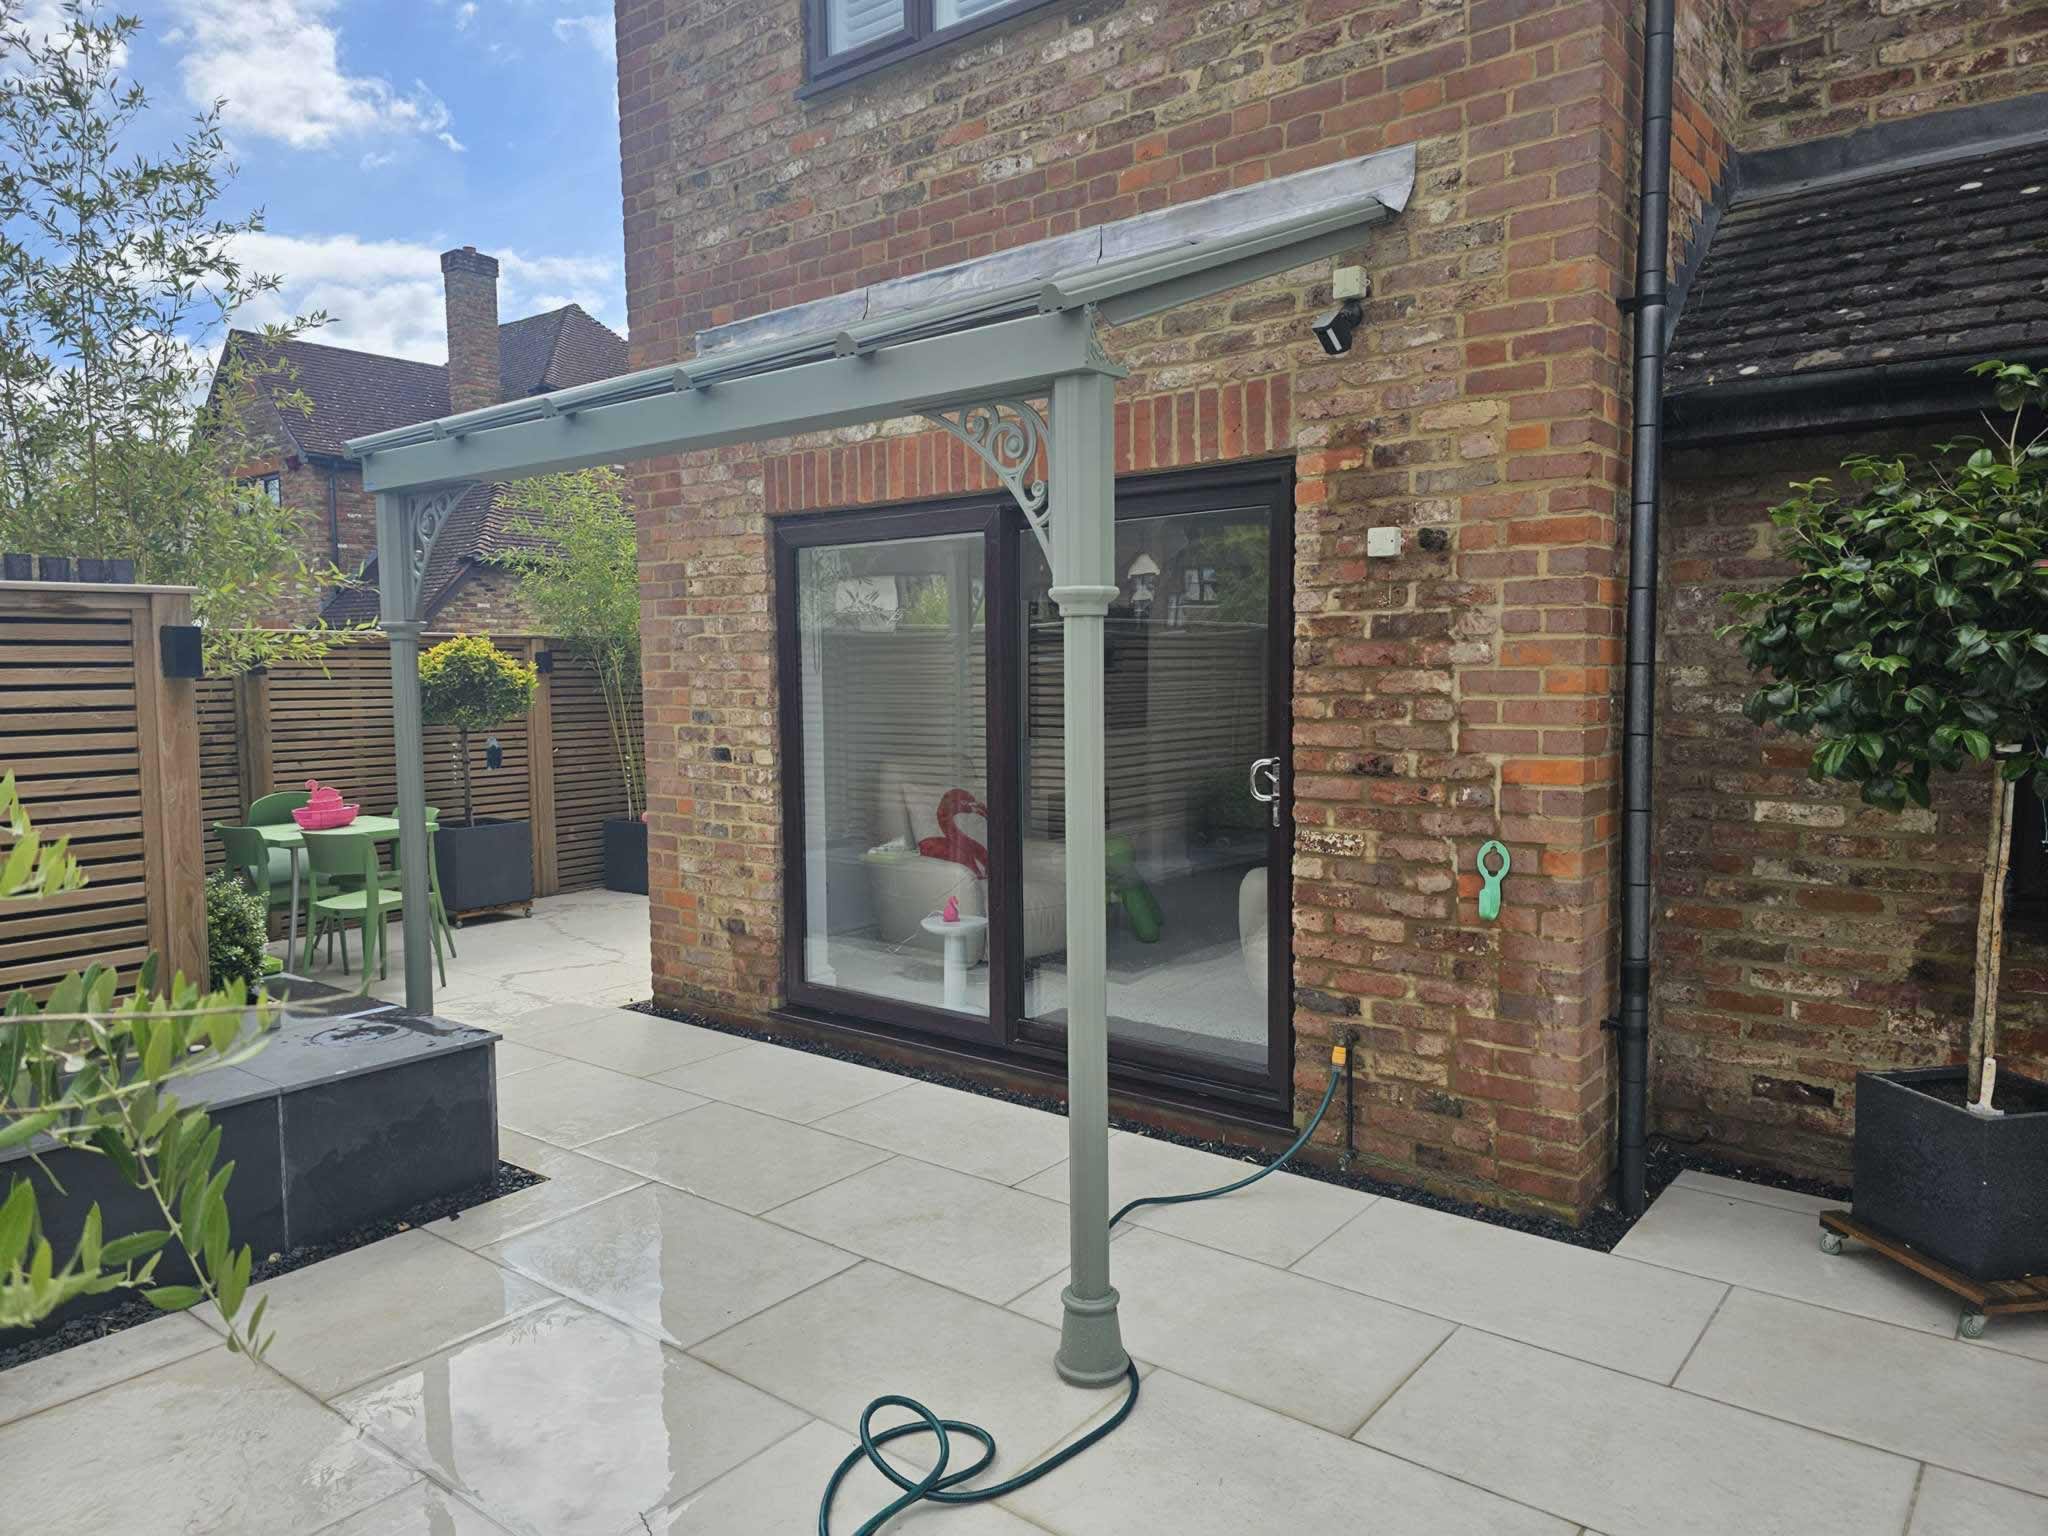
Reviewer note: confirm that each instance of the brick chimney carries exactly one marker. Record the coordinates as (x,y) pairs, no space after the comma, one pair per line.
(470,282)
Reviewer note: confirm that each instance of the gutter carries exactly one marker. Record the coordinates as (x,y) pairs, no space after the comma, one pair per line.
(1647,307)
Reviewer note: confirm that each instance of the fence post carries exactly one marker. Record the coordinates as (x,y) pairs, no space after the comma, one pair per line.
(540,791)
(174,852)
(253,756)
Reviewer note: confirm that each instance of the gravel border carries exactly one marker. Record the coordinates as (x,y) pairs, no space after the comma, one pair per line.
(508,1179)
(1604,1227)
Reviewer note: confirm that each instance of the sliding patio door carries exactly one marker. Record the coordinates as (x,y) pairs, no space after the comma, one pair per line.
(922,709)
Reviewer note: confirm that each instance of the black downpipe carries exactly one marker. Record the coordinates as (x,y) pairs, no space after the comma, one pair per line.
(1639,697)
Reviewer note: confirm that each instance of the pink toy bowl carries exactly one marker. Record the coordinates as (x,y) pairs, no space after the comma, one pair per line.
(323,810)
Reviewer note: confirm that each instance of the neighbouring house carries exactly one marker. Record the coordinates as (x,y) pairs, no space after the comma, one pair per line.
(1370,612)
(351,393)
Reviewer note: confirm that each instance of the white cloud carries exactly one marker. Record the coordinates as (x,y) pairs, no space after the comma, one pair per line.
(278,66)
(385,295)
(465,13)
(597,31)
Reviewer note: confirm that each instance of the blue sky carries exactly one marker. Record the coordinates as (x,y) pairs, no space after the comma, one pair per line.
(375,134)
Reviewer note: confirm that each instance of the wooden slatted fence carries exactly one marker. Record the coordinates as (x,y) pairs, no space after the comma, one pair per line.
(105,750)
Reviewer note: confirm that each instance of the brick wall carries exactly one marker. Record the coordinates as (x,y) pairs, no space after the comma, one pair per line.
(1816,68)
(1802,935)
(483,600)
(1460,692)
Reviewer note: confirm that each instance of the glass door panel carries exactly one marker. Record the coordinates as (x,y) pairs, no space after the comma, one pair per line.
(892,675)
(1189,669)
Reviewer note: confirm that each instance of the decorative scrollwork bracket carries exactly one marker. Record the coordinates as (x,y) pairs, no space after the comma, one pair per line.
(429,515)
(1007,435)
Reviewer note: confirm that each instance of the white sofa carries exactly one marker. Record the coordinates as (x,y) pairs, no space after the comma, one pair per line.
(909,887)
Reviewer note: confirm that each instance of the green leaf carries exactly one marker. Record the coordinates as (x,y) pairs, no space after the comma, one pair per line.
(17,1223)
(1977,744)
(174,1298)
(134,1245)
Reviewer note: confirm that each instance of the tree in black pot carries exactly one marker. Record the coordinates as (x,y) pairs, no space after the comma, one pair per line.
(579,575)
(1911,639)
(467,683)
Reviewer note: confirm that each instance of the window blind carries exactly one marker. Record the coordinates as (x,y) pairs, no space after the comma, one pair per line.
(946,12)
(850,23)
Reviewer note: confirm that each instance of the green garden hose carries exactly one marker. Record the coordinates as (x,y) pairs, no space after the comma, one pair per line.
(940,1487)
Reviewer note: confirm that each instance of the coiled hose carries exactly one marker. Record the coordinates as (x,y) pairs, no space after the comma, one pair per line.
(941,1487)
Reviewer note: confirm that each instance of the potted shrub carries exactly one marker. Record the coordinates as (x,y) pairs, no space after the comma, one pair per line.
(471,685)
(237,928)
(580,578)
(1912,638)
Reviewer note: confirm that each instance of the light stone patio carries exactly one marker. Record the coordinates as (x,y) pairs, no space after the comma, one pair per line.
(738,1245)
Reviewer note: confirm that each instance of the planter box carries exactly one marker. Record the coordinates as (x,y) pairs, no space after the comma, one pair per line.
(487,864)
(1969,1190)
(625,855)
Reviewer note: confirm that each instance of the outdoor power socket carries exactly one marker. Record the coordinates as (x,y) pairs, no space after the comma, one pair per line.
(1382,542)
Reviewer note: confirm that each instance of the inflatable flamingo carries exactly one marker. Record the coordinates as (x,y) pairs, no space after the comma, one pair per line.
(952,844)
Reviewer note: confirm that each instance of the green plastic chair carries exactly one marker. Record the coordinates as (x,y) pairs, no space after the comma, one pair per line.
(338,855)
(441,923)
(275,810)
(265,870)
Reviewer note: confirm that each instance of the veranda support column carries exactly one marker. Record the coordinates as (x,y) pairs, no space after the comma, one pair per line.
(399,534)
(1091,1350)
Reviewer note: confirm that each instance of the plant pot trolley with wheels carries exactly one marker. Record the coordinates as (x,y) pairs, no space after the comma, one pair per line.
(1982,1299)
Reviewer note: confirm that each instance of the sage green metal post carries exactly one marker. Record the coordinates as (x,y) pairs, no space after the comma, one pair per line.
(398,601)
(1091,1352)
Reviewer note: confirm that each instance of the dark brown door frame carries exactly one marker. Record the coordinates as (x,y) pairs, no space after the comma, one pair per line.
(1006,1033)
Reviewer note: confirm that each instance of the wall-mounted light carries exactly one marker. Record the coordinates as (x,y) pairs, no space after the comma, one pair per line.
(543,662)
(1334,329)
(179,649)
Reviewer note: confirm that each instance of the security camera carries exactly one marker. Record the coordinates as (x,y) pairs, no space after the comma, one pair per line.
(1335,328)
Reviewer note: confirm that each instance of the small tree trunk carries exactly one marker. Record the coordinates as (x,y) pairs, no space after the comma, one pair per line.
(468,803)
(1983,1039)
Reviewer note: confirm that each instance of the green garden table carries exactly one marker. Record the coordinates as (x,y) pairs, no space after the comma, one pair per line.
(378,829)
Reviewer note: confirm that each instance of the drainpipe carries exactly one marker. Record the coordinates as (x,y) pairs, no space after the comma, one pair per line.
(333,521)
(1639,695)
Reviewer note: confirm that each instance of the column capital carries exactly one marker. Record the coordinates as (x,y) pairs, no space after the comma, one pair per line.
(1083,602)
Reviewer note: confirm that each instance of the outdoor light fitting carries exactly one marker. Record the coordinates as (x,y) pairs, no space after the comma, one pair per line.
(1334,329)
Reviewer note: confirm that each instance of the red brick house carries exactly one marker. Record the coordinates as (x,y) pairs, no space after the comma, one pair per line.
(351,393)
(1370,612)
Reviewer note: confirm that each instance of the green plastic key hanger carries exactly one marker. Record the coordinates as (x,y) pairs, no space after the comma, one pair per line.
(1489,893)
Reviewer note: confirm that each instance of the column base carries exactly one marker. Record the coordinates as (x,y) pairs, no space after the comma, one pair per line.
(1091,1350)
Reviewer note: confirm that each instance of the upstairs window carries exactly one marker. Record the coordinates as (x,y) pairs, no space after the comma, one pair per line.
(847,38)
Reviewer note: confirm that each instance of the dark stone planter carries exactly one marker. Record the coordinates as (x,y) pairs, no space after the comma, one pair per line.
(625,855)
(347,1116)
(487,864)
(1965,1189)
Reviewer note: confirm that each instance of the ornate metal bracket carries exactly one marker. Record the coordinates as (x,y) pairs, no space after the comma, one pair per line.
(1007,435)
(429,515)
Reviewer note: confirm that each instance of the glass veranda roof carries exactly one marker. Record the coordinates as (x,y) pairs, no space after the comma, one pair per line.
(1000,325)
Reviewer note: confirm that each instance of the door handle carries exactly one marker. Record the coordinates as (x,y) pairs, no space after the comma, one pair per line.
(1265,784)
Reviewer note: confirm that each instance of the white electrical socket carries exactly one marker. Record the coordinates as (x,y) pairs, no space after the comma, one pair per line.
(1382,541)
(1348,283)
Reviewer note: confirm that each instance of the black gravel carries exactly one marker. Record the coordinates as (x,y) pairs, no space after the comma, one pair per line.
(127,1314)
(1603,1228)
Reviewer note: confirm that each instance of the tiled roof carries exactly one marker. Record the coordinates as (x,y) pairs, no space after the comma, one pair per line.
(1913,265)
(354,393)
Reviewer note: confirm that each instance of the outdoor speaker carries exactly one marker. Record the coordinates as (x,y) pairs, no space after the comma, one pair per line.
(179,646)
(543,662)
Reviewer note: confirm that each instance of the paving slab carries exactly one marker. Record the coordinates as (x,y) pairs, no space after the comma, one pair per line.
(361,1313)
(1197,1462)
(779,1490)
(39,1384)
(778,1080)
(565,1423)
(1768,1247)
(1756,1194)
(573,1103)
(1973,1410)
(573,1180)
(422,1510)
(1628,1457)
(749,1162)
(668,1263)
(638,1044)
(872,1330)
(1592,1306)
(1951,1504)
(1317,1353)
(1275,1221)
(989,1138)
(210,1443)
(986,1239)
